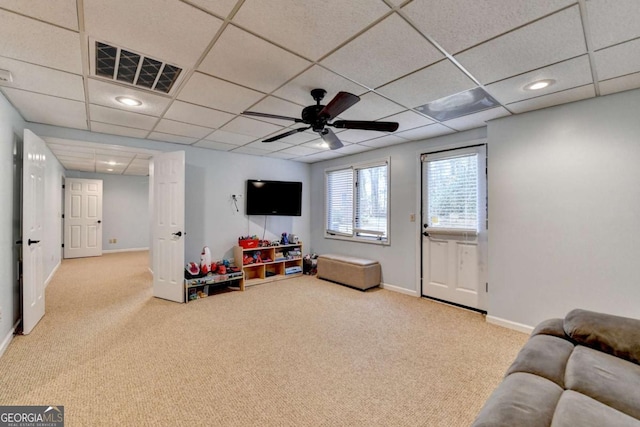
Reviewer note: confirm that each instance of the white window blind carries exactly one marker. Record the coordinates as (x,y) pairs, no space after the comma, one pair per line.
(453,192)
(371,202)
(339,197)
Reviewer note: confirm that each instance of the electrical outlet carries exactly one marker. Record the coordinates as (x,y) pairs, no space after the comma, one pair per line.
(115,240)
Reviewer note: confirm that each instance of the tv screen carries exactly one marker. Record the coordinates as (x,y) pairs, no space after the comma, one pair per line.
(274,198)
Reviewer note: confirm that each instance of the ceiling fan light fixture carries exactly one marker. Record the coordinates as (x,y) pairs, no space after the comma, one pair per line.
(130,102)
(539,84)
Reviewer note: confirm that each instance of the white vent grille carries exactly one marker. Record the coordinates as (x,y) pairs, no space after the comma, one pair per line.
(135,69)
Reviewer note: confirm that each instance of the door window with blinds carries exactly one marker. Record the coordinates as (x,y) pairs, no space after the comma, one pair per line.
(357,202)
(452,191)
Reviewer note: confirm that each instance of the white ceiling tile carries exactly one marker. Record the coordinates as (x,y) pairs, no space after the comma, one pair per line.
(371,107)
(460,24)
(122,118)
(251,127)
(137,172)
(547,41)
(273,105)
(116,170)
(39,43)
(280,155)
(214,145)
(425,132)
(408,120)
(245,59)
(251,151)
(354,148)
(72,155)
(159,136)
(230,138)
(215,93)
(173,31)
(477,120)
(395,48)
(356,135)
(300,151)
(269,146)
(139,163)
(613,21)
(60,12)
(313,158)
(113,160)
(43,80)
(318,144)
(570,95)
(619,84)
(567,74)
(618,60)
(306,30)
(82,167)
(104,93)
(49,110)
(385,141)
(299,89)
(183,129)
(195,114)
(434,82)
(219,7)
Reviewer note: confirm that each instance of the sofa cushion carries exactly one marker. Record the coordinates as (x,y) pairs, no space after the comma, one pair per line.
(544,355)
(616,335)
(605,378)
(553,327)
(522,400)
(575,409)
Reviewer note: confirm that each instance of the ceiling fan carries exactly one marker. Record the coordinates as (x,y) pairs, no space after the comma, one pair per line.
(318,117)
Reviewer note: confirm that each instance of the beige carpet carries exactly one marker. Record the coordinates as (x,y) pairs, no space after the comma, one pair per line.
(299,352)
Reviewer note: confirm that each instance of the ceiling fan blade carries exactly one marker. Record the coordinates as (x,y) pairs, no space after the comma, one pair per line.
(338,104)
(270,116)
(365,125)
(282,135)
(331,139)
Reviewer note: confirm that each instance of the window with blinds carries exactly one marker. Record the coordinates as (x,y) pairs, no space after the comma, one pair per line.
(452,185)
(357,202)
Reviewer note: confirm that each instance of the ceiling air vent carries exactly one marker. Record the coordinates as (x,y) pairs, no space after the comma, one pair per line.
(129,67)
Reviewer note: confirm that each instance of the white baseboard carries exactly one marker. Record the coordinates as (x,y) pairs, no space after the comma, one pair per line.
(113,251)
(7,340)
(394,288)
(53,272)
(509,324)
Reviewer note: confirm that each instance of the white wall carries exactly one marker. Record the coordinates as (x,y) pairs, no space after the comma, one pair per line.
(564,206)
(125,209)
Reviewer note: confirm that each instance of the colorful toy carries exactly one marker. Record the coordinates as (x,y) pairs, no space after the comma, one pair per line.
(205,260)
(192,269)
(285,239)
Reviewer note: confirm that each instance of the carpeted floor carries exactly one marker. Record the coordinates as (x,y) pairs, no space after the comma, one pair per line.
(299,352)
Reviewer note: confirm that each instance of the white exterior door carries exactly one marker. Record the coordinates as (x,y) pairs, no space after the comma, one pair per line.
(168,226)
(34,161)
(82,217)
(454,242)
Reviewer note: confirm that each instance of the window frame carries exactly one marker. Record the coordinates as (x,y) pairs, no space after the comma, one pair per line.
(354,236)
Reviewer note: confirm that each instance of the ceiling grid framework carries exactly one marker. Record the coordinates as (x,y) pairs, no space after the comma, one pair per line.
(242,55)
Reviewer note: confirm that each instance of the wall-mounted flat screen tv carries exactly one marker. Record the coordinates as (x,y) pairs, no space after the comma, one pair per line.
(282,198)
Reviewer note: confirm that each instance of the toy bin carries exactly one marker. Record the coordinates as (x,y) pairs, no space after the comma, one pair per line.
(248,243)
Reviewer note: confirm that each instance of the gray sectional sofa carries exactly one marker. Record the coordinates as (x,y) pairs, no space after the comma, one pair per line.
(580,371)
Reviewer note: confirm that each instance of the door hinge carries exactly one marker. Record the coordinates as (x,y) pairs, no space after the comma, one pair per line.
(486,287)
(62,216)
(63,245)
(62,185)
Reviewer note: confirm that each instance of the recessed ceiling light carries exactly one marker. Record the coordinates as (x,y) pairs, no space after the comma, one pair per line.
(112,163)
(540,84)
(128,101)
(109,170)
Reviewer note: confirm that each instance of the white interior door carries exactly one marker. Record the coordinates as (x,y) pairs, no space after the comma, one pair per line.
(454,242)
(168,226)
(33,301)
(82,217)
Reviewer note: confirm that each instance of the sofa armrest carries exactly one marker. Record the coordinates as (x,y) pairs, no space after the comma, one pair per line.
(616,335)
(553,327)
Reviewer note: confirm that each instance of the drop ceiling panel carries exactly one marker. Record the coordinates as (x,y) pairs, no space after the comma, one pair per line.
(300,151)
(116,170)
(619,84)
(118,130)
(49,110)
(219,7)
(567,74)
(175,32)
(356,135)
(319,144)
(318,157)
(59,12)
(159,136)
(618,60)
(398,50)
(182,129)
(250,127)
(73,155)
(121,118)
(299,89)
(251,151)
(460,24)
(269,146)
(43,80)
(139,163)
(36,42)
(571,95)
(245,59)
(371,107)
(215,93)
(613,21)
(354,148)
(215,145)
(428,84)
(104,93)
(281,155)
(104,159)
(309,31)
(407,120)
(547,41)
(230,137)
(82,167)
(476,120)
(195,114)
(384,141)
(425,132)
(273,105)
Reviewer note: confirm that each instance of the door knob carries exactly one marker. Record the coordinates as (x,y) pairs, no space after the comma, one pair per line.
(31,242)
(425,234)
(178,234)
(99,222)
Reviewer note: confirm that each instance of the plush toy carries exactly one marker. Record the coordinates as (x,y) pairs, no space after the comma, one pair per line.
(246,259)
(285,239)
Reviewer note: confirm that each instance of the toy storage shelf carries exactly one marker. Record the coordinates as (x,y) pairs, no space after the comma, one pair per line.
(272,270)
(205,286)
